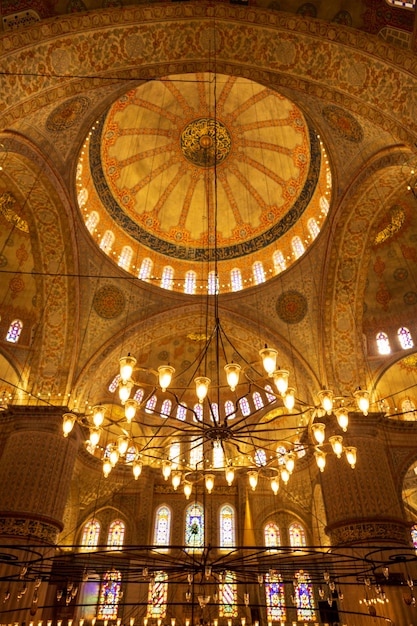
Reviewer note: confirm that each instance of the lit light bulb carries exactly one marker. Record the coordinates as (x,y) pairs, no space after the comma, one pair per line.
(281,381)
(68,421)
(350,452)
(326,400)
(232,374)
(165,373)
(125,387)
(275,485)
(114,455)
(201,387)
(98,415)
(290,462)
(362,399)
(94,436)
(131,406)
(253,479)
(320,459)
(285,475)
(230,475)
(166,469)
(127,364)
(187,490)
(336,442)
(269,359)
(318,432)
(176,480)
(209,482)
(342,418)
(137,469)
(122,445)
(107,467)
(289,399)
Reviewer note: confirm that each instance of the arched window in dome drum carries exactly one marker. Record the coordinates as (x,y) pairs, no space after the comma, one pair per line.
(244,406)
(229,409)
(190,282)
(297,247)
(167,278)
(236,279)
(258,273)
(382,343)
(278,260)
(405,339)
(107,241)
(212,283)
(313,227)
(196,452)
(145,269)
(257,400)
(166,408)
(181,412)
(125,258)
(92,221)
(151,404)
(14,331)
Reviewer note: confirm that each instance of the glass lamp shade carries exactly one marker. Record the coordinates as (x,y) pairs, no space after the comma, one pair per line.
(131,406)
(362,399)
(320,459)
(289,399)
(336,442)
(114,455)
(125,388)
(285,475)
(137,469)
(342,417)
(275,485)
(201,386)
(107,467)
(209,482)
(281,381)
(94,436)
(269,359)
(318,430)
(326,400)
(166,469)
(232,374)
(127,364)
(176,480)
(122,445)
(68,421)
(230,475)
(98,415)
(187,490)
(351,456)
(253,479)
(290,461)
(165,373)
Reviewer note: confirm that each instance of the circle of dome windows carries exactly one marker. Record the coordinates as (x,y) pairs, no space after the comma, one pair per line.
(404,338)
(190,280)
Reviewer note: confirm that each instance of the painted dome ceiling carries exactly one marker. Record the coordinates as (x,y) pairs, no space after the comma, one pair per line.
(187,170)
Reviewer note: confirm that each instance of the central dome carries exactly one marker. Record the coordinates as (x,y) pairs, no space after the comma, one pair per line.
(188,170)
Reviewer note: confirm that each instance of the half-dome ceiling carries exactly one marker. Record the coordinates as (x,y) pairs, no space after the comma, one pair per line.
(188,169)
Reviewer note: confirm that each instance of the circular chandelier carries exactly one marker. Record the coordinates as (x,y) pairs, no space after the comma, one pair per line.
(249,416)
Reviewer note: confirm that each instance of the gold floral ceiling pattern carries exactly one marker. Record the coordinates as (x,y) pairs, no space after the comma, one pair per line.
(198,167)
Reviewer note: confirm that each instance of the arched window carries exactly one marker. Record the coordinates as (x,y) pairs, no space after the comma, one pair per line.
(116,535)
(114,383)
(257,400)
(236,279)
(157,596)
(92,221)
(403,4)
(131,454)
(258,273)
(126,256)
(198,412)
(218,455)
(227,527)
(166,408)
(110,595)
(260,457)
(91,534)
(228,596)
(313,227)
(145,269)
(324,205)
(382,343)
(212,283)
(229,409)
(181,412)
(304,599)
(270,394)
(196,452)
(298,247)
(151,404)
(275,597)
(272,535)
(297,535)
(405,339)
(408,410)
(167,277)
(175,454)
(194,526)
(413,532)
(214,412)
(244,406)
(14,331)
(190,282)
(139,396)
(107,240)
(279,262)
(162,529)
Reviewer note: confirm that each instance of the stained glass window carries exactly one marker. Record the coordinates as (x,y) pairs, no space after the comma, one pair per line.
(107,240)
(403,3)
(382,343)
(218,455)
(194,526)
(126,257)
(214,412)
(275,597)
(405,339)
(116,535)
(91,534)
(109,595)
(162,528)
(114,383)
(145,269)
(150,405)
(272,535)
(228,596)
(258,272)
(166,408)
(14,331)
(181,412)
(257,400)
(236,279)
(297,535)
(414,535)
(157,596)
(304,599)
(260,457)
(198,412)
(213,284)
(281,454)
(227,527)
(196,452)
(229,409)
(190,282)
(313,227)
(278,260)
(244,406)
(167,277)
(139,396)
(297,246)
(270,394)
(175,453)
(92,221)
